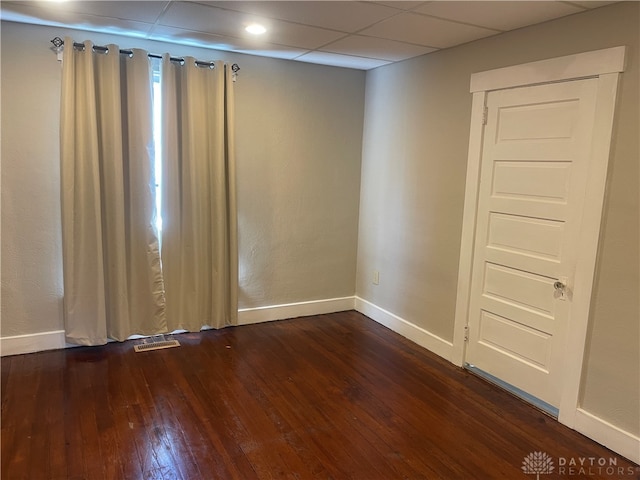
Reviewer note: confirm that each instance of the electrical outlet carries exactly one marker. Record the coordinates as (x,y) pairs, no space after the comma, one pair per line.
(376,277)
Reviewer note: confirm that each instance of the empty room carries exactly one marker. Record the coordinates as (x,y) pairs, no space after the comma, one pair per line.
(320,239)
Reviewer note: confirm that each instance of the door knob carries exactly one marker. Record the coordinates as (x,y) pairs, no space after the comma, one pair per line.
(560,287)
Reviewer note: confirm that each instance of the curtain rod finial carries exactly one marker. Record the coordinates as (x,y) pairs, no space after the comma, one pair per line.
(58,47)
(235,68)
(57,42)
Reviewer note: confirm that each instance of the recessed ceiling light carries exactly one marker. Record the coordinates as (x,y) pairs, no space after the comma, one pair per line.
(255,29)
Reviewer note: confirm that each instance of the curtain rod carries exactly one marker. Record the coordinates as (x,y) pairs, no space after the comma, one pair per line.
(58,43)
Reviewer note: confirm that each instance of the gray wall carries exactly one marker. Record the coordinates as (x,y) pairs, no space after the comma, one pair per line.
(298,135)
(417,120)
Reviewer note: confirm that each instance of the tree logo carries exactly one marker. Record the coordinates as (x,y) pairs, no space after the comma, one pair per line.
(538,463)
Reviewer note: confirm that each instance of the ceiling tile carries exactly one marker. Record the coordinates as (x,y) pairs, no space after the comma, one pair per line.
(402,5)
(111,25)
(206,19)
(31,12)
(219,42)
(347,16)
(337,60)
(593,3)
(427,31)
(272,51)
(300,36)
(499,15)
(140,11)
(376,48)
(197,39)
(28,12)
(219,21)
(137,11)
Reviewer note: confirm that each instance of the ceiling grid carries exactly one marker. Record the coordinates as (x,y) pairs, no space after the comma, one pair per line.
(352,34)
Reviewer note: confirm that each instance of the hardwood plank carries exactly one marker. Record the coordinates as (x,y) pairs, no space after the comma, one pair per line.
(439,415)
(252,429)
(326,396)
(332,396)
(387,410)
(291,405)
(313,424)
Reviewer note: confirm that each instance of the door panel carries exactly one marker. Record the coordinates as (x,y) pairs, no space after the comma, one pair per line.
(524,290)
(532,184)
(535,237)
(537,121)
(525,344)
(542,181)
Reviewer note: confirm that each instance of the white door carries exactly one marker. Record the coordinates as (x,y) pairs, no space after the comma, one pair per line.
(535,158)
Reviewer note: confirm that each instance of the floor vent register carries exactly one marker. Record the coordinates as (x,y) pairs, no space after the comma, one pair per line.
(157,342)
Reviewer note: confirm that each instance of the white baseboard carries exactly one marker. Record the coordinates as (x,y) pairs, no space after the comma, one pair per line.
(35,342)
(607,434)
(416,334)
(247,316)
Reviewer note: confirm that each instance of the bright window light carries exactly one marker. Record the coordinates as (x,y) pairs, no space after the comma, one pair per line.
(157,103)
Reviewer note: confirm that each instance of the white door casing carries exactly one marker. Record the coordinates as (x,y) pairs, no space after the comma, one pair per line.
(602,67)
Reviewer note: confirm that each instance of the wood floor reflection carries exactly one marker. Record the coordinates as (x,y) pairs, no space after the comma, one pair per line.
(332,396)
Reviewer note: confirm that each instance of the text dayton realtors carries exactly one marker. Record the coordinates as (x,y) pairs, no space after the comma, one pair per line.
(592,466)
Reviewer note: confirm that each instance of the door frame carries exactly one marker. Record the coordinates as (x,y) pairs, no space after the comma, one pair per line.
(605,65)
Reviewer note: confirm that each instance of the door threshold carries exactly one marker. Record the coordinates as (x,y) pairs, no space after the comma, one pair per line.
(527,397)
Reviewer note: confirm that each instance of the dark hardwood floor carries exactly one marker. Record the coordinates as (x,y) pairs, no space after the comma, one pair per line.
(332,396)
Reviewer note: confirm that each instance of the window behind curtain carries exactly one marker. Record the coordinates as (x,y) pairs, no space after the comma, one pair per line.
(157,111)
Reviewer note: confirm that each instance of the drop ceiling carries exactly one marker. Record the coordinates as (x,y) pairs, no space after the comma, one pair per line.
(352,34)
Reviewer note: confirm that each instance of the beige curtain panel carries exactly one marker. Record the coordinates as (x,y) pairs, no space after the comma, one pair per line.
(114,283)
(199,239)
